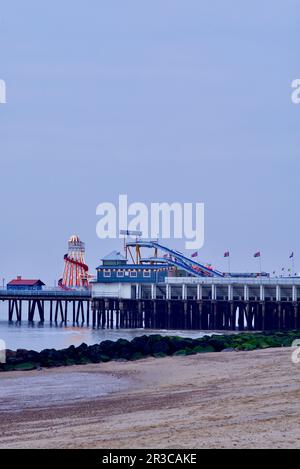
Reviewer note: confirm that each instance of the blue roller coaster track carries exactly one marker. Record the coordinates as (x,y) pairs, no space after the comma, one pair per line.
(177,259)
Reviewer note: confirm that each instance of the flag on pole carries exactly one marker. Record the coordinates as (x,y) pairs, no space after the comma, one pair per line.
(226,254)
(291,255)
(195,254)
(257,254)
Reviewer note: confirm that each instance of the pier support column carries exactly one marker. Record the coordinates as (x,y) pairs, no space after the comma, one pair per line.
(169,323)
(294,294)
(232,316)
(20,311)
(154,314)
(246,293)
(51,311)
(88,303)
(139,323)
(278,293)
(249,317)
(66,312)
(185,313)
(200,312)
(213,315)
(241,320)
(10,311)
(281,321)
(29,310)
(199,292)
(214,292)
(40,305)
(262,293)
(230,293)
(263,316)
(226,315)
(295,310)
(93,306)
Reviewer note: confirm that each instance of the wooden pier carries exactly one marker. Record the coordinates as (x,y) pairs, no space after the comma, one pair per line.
(178,304)
(203,304)
(53,306)
(195,315)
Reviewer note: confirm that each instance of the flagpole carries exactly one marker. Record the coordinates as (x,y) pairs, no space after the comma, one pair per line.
(227,254)
(258,254)
(260,263)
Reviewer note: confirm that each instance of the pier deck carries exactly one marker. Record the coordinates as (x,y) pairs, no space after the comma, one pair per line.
(178,303)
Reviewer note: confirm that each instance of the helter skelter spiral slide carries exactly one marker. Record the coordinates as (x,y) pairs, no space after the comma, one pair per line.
(76,270)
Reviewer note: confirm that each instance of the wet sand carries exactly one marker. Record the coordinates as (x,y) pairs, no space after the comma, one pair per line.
(215,400)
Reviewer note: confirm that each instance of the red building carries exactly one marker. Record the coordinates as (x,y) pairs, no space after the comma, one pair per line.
(25,284)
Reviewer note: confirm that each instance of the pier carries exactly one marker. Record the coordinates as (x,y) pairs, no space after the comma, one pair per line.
(207,304)
(177,303)
(54,305)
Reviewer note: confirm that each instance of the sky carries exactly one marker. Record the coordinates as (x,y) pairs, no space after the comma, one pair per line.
(168,100)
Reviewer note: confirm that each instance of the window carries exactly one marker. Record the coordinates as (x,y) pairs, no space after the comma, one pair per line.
(120,273)
(107,273)
(147,273)
(133,273)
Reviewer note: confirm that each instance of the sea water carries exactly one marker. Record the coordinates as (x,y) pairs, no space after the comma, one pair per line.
(38,336)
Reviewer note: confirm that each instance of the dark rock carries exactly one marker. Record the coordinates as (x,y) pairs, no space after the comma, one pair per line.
(26,366)
(52,357)
(179,343)
(93,353)
(159,355)
(180,353)
(161,346)
(140,347)
(108,348)
(218,343)
(203,349)
(142,344)
(137,356)
(124,349)
(104,358)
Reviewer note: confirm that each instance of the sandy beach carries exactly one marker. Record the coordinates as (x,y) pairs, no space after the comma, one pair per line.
(215,400)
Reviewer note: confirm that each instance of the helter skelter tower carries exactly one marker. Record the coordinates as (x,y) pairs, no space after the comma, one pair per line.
(76,270)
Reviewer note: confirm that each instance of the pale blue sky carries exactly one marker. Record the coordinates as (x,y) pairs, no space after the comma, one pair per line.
(167,100)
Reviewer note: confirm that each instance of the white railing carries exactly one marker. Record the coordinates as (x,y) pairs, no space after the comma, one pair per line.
(267,281)
(46,292)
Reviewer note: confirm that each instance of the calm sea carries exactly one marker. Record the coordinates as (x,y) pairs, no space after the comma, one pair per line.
(38,337)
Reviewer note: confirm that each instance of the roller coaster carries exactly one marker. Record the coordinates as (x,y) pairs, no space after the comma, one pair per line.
(76,273)
(171,257)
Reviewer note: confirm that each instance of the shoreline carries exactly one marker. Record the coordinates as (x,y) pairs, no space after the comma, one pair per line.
(140,347)
(239,400)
